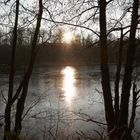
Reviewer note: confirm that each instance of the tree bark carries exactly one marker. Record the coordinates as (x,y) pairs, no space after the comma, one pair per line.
(134,106)
(7,129)
(124,106)
(109,112)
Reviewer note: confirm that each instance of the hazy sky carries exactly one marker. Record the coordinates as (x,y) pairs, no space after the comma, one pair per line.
(67,11)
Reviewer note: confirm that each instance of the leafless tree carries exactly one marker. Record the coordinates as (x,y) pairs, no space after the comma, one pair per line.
(117,114)
(23,86)
(7,132)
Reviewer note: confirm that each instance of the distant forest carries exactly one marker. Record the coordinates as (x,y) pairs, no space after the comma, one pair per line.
(63,54)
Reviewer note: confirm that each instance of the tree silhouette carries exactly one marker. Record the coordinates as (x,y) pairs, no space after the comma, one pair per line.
(23,86)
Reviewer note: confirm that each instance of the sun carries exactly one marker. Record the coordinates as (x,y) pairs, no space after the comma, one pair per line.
(67,37)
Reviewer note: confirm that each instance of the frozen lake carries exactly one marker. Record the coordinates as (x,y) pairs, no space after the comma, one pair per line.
(61,102)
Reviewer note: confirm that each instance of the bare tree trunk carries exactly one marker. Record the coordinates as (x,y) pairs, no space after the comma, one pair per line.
(109,112)
(134,106)
(7,129)
(124,106)
(21,101)
(19,110)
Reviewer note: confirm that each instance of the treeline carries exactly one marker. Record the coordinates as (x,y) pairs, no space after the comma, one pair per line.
(62,54)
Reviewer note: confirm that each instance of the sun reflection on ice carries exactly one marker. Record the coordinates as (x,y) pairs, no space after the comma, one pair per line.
(69,83)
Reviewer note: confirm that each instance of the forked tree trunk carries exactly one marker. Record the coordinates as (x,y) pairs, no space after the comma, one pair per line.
(21,100)
(109,112)
(19,111)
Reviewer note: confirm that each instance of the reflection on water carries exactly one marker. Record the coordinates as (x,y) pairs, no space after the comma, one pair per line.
(69,83)
(77,89)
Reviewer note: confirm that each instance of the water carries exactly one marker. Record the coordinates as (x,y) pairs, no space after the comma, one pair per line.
(69,97)
(61,101)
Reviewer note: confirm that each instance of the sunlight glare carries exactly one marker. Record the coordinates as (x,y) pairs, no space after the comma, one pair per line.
(67,37)
(68,83)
